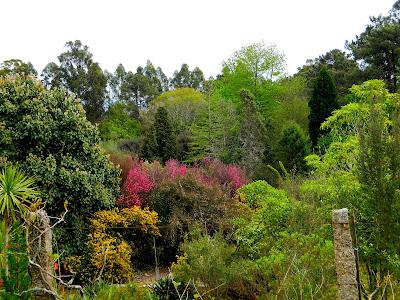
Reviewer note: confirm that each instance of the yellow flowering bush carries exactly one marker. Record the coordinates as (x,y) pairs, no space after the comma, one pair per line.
(109,254)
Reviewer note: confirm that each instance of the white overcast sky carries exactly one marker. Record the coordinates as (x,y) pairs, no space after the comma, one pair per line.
(171,32)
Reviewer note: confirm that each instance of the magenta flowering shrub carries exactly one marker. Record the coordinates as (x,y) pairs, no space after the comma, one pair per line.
(214,172)
(174,169)
(142,178)
(136,187)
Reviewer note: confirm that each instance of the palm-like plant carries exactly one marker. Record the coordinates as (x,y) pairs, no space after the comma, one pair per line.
(16,191)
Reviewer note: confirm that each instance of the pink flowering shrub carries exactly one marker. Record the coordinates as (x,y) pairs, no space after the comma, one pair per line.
(174,169)
(213,172)
(141,178)
(136,187)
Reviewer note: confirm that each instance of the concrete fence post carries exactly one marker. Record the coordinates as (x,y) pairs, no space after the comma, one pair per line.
(345,262)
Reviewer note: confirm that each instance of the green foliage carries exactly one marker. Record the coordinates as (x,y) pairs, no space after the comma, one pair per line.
(359,170)
(167,288)
(322,103)
(79,74)
(292,148)
(119,123)
(47,135)
(378,46)
(13,67)
(252,133)
(18,279)
(164,136)
(184,106)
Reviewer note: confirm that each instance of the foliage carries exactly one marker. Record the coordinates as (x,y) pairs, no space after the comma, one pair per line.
(119,124)
(167,288)
(378,47)
(136,187)
(114,237)
(292,148)
(13,67)
(344,69)
(186,78)
(359,171)
(16,192)
(18,279)
(184,106)
(47,135)
(79,74)
(164,136)
(322,103)
(260,60)
(252,133)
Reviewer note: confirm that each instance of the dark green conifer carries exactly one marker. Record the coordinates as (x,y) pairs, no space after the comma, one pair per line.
(149,147)
(323,102)
(164,136)
(292,148)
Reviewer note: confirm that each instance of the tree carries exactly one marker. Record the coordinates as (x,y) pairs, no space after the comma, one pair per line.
(322,103)
(79,74)
(164,135)
(292,148)
(16,191)
(378,47)
(120,122)
(149,147)
(186,78)
(17,66)
(46,133)
(251,133)
(261,61)
(344,69)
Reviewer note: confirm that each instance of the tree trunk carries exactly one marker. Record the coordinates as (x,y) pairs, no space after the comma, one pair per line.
(39,240)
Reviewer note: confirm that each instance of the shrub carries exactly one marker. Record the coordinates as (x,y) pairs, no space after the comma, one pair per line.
(167,288)
(114,237)
(136,187)
(46,133)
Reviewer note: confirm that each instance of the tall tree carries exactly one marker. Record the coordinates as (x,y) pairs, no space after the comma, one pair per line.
(48,136)
(378,47)
(322,103)
(17,66)
(164,135)
(79,74)
(186,78)
(263,62)
(252,133)
(344,69)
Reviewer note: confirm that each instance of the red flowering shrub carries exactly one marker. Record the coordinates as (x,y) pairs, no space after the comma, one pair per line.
(136,187)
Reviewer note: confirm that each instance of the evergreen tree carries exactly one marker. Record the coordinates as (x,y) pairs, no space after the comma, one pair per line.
(149,147)
(252,133)
(164,135)
(292,148)
(323,102)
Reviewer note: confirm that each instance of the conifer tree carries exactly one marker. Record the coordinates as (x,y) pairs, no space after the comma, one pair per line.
(164,136)
(292,148)
(323,102)
(252,133)
(149,147)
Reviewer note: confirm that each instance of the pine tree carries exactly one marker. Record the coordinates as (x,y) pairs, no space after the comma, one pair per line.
(164,136)
(323,102)
(149,147)
(292,148)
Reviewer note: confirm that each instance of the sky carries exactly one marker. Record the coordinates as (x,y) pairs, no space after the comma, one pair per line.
(171,32)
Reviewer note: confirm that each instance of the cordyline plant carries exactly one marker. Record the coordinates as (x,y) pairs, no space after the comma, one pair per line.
(16,191)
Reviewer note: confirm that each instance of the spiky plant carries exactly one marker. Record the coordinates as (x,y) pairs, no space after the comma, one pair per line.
(16,191)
